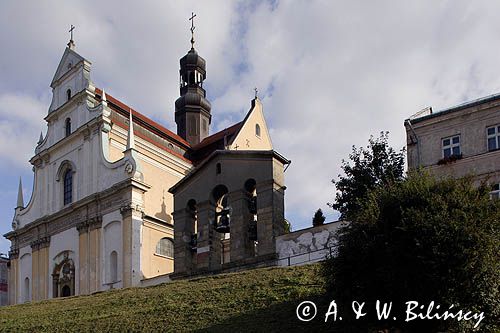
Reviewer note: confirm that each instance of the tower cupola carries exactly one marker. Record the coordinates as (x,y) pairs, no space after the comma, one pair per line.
(192,109)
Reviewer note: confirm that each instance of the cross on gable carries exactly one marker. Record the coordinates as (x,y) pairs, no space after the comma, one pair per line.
(71,31)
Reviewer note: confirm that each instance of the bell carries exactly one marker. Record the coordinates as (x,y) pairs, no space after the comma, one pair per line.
(252,230)
(193,243)
(223,224)
(252,205)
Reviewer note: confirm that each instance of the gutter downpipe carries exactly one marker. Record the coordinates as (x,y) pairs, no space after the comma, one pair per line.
(417,141)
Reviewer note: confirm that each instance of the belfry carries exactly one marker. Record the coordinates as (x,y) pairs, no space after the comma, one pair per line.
(229,209)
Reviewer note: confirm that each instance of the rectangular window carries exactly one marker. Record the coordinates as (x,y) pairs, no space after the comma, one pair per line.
(493,137)
(451,146)
(495,191)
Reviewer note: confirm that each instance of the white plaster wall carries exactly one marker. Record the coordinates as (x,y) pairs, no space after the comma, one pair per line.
(307,245)
(112,241)
(24,272)
(67,240)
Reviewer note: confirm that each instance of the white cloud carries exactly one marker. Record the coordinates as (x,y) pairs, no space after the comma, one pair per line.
(330,73)
(21,121)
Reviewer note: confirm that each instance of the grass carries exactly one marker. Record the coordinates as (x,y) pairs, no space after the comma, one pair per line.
(251,301)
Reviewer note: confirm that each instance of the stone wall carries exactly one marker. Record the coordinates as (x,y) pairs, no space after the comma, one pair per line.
(307,245)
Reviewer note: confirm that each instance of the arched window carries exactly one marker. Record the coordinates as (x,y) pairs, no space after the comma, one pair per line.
(257,130)
(68,186)
(27,289)
(68,94)
(165,247)
(67,126)
(113,266)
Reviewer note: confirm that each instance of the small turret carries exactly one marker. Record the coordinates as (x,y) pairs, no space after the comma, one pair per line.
(20,199)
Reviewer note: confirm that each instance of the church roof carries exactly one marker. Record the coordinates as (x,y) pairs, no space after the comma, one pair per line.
(158,129)
(236,153)
(197,153)
(149,124)
(216,141)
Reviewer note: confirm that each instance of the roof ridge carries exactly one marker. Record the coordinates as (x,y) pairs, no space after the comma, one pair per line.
(144,118)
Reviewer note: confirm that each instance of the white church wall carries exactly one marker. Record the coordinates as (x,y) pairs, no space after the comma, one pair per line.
(112,241)
(64,241)
(25,272)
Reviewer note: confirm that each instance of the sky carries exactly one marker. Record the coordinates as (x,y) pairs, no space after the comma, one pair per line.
(329,73)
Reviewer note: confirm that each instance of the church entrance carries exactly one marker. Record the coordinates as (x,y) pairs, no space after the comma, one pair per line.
(63,278)
(66,291)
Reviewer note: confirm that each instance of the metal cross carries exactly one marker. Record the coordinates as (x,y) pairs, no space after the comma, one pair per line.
(71,31)
(193,15)
(256,91)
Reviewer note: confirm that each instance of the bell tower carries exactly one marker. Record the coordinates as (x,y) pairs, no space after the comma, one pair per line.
(192,109)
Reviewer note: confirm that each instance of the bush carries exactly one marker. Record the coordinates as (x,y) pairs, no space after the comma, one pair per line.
(420,239)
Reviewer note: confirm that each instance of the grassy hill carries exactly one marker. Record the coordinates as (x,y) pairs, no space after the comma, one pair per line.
(257,300)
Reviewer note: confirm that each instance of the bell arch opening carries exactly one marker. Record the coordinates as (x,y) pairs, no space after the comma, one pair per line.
(192,211)
(250,187)
(222,219)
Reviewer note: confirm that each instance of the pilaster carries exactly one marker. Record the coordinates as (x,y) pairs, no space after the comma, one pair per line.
(89,254)
(131,232)
(13,277)
(270,216)
(83,257)
(241,245)
(209,241)
(40,268)
(185,260)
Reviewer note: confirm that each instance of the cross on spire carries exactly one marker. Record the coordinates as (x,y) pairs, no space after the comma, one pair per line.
(71,43)
(256,92)
(193,15)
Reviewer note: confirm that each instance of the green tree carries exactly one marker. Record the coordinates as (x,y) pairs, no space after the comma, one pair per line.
(377,164)
(421,239)
(287,226)
(318,218)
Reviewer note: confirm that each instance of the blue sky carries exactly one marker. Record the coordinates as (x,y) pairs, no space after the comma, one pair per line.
(329,73)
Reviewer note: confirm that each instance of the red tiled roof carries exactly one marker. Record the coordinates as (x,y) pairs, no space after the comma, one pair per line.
(156,143)
(218,136)
(214,142)
(143,120)
(196,153)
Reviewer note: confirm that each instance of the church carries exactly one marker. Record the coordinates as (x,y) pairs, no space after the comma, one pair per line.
(116,196)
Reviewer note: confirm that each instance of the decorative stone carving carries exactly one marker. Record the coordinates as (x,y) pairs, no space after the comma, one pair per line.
(14,253)
(40,243)
(129,168)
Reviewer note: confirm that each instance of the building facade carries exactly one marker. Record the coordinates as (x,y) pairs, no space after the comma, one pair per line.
(4,279)
(458,141)
(100,212)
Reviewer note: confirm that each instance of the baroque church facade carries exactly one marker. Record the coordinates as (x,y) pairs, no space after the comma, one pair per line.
(116,196)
